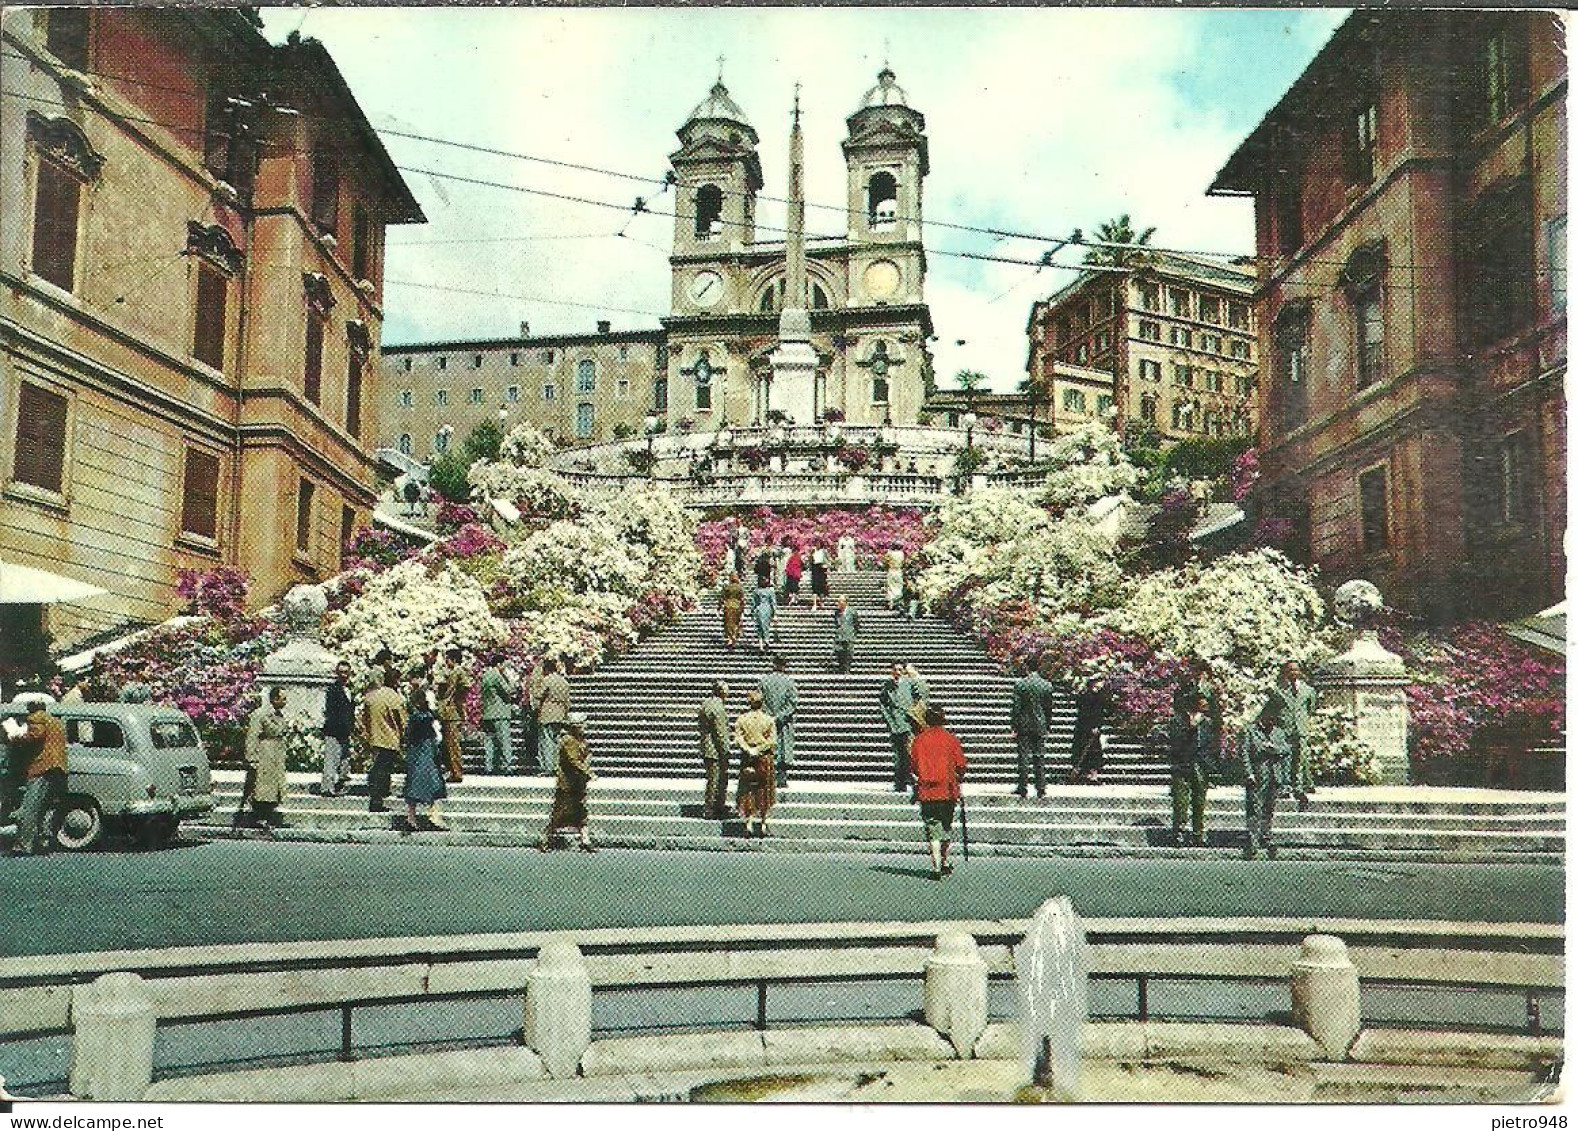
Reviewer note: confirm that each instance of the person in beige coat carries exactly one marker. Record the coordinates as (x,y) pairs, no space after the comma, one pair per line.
(756,735)
(265,757)
(382,725)
(551,701)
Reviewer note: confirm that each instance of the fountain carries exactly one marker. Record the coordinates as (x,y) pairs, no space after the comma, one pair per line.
(1053,1000)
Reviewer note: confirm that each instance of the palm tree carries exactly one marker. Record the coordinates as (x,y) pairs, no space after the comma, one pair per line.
(1119,231)
(969,382)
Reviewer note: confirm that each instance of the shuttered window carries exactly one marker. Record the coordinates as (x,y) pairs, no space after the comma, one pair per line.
(55,208)
(200,495)
(208,333)
(304,493)
(325,194)
(353,394)
(67,37)
(312,380)
(347,530)
(40,438)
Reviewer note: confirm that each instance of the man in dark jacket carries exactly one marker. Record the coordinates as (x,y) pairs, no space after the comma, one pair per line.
(1193,740)
(712,721)
(339,720)
(1030,715)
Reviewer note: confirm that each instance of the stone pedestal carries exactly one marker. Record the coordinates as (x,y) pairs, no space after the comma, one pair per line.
(113,1024)
(304,668)
(1325,989)
(558,1013)
(793,388)
(1366,682)
(955,991)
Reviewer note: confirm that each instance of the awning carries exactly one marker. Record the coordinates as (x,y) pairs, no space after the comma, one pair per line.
(25,585)
(1547,630)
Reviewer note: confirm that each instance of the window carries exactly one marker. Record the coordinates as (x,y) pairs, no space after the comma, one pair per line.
(208,329)
(443,363)
(1183,376)
(624,353)
(200,495)
(441,442)
(1238,348)
(1289,205)
(1065,331)
(475,396)
(1150,370)
(1183,417)
(1148,409)
(304,493)
(547,357)
(66,36)
(95,734)
(361,243)
(1181,336)
(703,375)
(512,394)
(1150,331)
(1215,381)
(1211,343)
(1370,331)
(312,377)
(586,376)
(40,438)
(347,529)
(167,734)
(1556,259)
(879,389)
(325,194)
(515,359)
(407,398)
(660,395)
(1243,384)
(547,392)
(405,364)
(1150,296)
(1238,316)
(1073,400)
(1500,237)
(622,391)
(441,397)
(1213,423)
(1374,520)
(1082,353)
(55,209)
(405,443)
(1291,337)
(882,202)
(709,212)
(354,361)
(1178,302)
(1361,144)
(1503,72)
(1211,309)
(1103,404)
(584,415)
(476,361)
(1514,503)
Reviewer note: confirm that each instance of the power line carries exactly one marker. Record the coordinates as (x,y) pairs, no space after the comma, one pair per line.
(523,298)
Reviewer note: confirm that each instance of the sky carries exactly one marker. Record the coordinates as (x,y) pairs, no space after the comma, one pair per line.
(1039,121)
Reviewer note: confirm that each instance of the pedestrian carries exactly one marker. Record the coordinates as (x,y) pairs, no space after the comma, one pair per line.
(732,602)
(756,735)
(1191,751)
(1090,719)
(937,765)
(94,687)
(383,723)
(893,700)
(819,587)
(384,665)
(920,695)
(553,713)
(1298,701)
(781,565)
(450,688)
(497,688)
(739,548)
(534,738)
(894,587)
(712,721)
(413,495)
(794,570)
(569,792)
(910,598)
(764,608)
(1199,680)
(780,699)
(424,780)
(764,568)
(265,757)
(846,554)
(846,631)
(1031,717)
(339,720)
(1268,766)
(41,754)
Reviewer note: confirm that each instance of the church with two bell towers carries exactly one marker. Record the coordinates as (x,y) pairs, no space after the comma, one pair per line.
(792,329)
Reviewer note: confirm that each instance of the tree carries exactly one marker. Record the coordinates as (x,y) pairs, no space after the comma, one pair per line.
(483,441)
(970,382)
(447,474)
(1119,231)
(1038,393)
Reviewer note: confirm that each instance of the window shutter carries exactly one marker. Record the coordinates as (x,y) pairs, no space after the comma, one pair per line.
(304,492)
(353,395)
(200,499)
(55,225)
(312,381)
(208,335)
(40,438)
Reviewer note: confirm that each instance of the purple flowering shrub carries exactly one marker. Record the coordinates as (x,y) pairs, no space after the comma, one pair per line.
(875,531)
(452,517)
(219,593)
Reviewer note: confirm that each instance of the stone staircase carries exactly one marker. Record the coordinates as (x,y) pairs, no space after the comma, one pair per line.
(641,708)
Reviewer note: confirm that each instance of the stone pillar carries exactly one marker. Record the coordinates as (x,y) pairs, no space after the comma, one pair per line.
(558,1016)
(1366,682)
(956,991)
(303,667)
(1326,994)
(113,1024)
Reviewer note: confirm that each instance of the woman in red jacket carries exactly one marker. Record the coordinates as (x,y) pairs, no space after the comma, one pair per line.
(937,762)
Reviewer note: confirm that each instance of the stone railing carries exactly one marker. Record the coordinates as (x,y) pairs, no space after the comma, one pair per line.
(111,1005)
(778,487)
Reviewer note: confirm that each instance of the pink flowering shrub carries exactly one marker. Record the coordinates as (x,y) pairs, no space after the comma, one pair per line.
(451,517)
(376,550)
(854,459)
(875,531)
(471,541)
(1244,474)
(220,593)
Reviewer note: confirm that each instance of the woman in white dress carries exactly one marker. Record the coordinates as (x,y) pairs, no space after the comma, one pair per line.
(895,580)
(846,554)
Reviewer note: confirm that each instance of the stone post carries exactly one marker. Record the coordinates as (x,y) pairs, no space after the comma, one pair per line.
(303,667)
(558,1016)
(955,991)
(113,1024)
(1366,682)
(1326,994)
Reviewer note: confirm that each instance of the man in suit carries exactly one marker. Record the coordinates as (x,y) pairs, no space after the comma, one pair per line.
(846,630)
(780,698)
(451,688)
(552,703)
(339,719)
(383,727)
(1298,702)
(712,721)
(1193,742)
(1030,715)
(894,701)
(42,751)
(497,690)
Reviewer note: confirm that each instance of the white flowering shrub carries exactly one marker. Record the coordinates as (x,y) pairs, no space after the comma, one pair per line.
(564,559)
(524,446)
(1068,565)
(648,518)
(990,515)
(411,610)
(1087,465)
(1335,752)
(535,490)
(581,632)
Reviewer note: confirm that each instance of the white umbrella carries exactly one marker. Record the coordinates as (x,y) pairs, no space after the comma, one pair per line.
(24,585)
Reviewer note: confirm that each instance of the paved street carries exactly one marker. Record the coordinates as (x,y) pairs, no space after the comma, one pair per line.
(227,892)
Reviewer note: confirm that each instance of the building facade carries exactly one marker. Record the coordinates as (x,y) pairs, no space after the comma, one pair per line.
(192,263)
(572,387)
(1410,201)
(1075,397)
(1176,334)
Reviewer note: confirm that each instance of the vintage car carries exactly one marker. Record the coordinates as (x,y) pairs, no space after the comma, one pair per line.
(133,767)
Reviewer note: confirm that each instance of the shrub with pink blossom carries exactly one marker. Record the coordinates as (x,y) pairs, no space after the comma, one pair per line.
(220,593)
(470,541)
(1244,474)
(451,517)
(875,531)
(376,550)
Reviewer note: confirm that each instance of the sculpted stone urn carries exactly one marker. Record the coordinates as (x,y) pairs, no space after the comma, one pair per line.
(303,667)
(1366,682)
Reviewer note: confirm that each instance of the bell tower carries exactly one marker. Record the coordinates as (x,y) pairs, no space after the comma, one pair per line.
(717,175)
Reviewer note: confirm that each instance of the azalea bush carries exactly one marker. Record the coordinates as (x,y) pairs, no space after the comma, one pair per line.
(1087,465)
(219,593)
(1335,753)
(536,491)
(875,531)
(410,609)
(453,516)
(371,550)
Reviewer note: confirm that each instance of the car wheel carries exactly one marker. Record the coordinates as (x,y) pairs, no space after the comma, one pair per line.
(79,824)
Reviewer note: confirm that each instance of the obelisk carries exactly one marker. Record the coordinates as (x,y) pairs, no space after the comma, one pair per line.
(793,390)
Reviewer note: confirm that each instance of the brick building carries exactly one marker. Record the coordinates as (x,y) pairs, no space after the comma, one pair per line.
(1075,397)
(192,267)
(1176,333)
(1410,200)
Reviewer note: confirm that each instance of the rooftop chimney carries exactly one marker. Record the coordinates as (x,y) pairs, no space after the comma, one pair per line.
(604,326)
(525,329)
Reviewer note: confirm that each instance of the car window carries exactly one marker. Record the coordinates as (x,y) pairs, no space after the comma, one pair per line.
(170,734)
(96,734)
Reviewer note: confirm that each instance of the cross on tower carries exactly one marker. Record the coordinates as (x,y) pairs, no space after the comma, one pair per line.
(720,68)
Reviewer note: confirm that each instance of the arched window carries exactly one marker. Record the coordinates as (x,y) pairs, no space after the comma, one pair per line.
(772,299)
(709,211)
(405,443)
(586,376)
(702,372)
(818,298)
(882,201)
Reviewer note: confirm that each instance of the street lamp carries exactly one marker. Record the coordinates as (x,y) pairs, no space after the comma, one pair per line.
(651,423)
(969,430)
(446,432)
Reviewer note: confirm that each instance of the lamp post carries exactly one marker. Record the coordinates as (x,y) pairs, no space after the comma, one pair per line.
(969,430)
(446,431)
(651,423)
